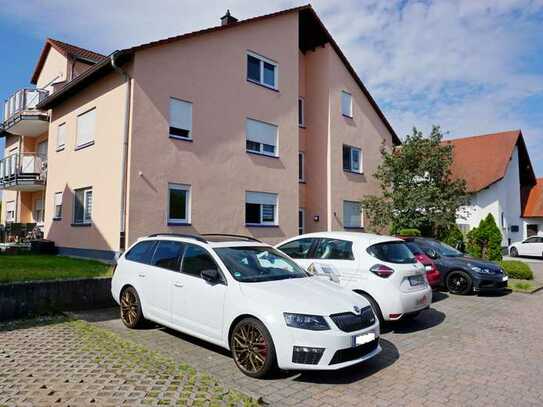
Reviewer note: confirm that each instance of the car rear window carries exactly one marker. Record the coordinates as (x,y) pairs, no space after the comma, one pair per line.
(392,252)
(141,252)
(415,249)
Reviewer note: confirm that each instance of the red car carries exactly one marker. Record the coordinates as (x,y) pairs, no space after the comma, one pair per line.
(432,273)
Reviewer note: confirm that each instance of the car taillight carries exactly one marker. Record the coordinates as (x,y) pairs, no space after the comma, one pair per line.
(382,271)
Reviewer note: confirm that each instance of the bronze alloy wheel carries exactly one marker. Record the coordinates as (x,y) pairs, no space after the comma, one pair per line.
(252,348)
(131,314)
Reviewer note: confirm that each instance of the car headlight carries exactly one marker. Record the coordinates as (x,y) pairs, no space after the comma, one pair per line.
(481,270)
(302,321)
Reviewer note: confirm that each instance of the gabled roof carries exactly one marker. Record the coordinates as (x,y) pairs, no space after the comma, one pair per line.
(69,51)
(534,204)
(308,16)
(482,160)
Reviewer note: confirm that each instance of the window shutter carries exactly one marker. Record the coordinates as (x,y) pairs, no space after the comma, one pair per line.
(58,198)
(346,104)
(261,132)
(262,198)
(180,114)
(86,124)
(352,215)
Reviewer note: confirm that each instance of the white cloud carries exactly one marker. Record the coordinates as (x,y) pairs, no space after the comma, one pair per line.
(468,65)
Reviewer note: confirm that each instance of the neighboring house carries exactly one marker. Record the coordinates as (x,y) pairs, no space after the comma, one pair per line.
(215,131)
(500,177)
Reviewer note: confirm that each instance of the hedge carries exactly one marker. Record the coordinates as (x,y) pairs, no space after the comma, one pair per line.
(410,232)
(517,269)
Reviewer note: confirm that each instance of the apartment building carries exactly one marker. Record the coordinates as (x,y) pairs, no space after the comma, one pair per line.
(258,127)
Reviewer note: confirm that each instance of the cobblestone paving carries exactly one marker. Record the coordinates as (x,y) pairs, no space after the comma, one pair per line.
(474,350)
(55,362)
(466,351)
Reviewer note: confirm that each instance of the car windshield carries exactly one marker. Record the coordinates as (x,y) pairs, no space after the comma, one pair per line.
(444,249)
(258,264)
(392,252)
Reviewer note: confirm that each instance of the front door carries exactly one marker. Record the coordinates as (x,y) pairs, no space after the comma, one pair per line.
(198,305)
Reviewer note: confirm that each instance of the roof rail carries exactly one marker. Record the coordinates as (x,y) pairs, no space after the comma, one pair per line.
(185,235)
(252,239)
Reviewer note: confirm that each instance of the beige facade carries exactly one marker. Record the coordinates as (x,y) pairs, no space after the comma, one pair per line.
(208,72)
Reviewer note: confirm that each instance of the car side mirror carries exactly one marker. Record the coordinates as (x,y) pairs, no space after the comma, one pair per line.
(212,276)
(431,253)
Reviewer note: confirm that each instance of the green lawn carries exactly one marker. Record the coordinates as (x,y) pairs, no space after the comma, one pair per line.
(524,286)
(43,267)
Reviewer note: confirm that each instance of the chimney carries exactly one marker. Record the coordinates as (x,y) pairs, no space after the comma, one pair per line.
(228,18)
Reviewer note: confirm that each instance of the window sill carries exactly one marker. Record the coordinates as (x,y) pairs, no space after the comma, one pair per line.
(262,154)
(61,148)
(170,223)
(301,126)
(189,139)
(257,225)
(262,85)
(81,225)
(301,181)
(56,219)
(353,172)
(353,227)
(347,116)
(82,146)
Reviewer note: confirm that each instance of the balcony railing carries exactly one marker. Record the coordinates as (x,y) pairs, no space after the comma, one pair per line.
(26,171)
(23,100)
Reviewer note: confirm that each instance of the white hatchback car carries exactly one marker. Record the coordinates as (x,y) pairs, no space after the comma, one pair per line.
(533,247)
(245,296)
(380,268)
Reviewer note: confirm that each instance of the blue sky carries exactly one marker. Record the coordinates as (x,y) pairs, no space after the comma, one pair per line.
(472,67)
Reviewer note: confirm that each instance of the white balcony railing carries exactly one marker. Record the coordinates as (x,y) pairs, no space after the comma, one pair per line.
(23,100)
(25,168)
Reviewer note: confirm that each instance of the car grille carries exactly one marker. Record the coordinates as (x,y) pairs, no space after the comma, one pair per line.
(346,355)
(307,356)
(349,322)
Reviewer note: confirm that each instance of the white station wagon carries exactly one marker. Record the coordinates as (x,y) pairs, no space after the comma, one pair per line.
(380,268)
(245,296)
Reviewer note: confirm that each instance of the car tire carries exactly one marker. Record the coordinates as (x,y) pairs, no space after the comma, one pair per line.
(131,313)
(374,306)
(459,282)
(260,360)
(513,252)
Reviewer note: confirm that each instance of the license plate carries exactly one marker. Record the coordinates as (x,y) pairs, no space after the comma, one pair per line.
(416,280)
(362,339)
(505,278)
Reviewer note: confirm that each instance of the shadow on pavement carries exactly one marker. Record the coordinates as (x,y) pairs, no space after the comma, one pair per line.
(439,296)
(354,373)
(495,293)
(426,320)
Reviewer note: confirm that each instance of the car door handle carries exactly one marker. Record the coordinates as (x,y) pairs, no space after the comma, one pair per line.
(141,275)
(178,284)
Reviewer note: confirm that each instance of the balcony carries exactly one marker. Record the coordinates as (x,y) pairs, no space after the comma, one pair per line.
(23,172)
(21,116)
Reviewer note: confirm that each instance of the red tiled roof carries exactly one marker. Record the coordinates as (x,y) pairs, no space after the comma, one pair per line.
(534,204)
(67,50)
(482,160)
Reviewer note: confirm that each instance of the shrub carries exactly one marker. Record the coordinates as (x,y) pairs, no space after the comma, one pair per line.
(485,240)
(453,237)
(517,269)
(410,232)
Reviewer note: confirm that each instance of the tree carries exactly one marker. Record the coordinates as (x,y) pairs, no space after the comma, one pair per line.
(417,190)
(485,241)
(453,237)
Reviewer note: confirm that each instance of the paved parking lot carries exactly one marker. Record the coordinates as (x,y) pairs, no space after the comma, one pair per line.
(475,350)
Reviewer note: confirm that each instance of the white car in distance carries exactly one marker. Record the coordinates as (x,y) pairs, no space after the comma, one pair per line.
(532,247)
(245,296)
(382,269)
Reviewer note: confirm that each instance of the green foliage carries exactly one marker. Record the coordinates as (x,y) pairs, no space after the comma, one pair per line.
(417,190)
(453,237)
(409,232)
(517,269)
(485,241)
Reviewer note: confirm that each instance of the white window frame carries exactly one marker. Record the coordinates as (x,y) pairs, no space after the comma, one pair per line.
(57,203)
(361,215)
(275,210)
(175,136)
(263,59)
(60,146)
(301,112)
(261,145)
(89,142)
(301,229)
(11,209)
(348,114)
(188,204)
(87,220)
(302,163)
(360,159)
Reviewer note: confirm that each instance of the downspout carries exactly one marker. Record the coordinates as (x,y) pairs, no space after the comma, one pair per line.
(124,160)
